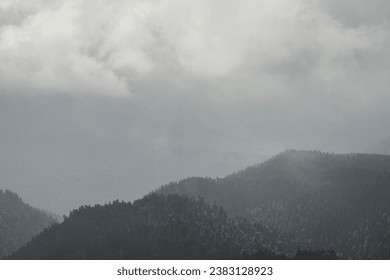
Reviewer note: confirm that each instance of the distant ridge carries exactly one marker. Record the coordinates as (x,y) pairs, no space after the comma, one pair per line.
(19,222)
(298,204)
(287,175)
(322,200)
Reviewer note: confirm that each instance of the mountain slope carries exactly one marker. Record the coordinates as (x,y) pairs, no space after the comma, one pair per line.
(19,222)
(313,199)
(155,227)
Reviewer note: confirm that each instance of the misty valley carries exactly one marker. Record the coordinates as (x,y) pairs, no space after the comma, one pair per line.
(295,205)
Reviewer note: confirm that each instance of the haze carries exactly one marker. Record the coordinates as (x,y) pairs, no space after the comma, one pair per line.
(111,99)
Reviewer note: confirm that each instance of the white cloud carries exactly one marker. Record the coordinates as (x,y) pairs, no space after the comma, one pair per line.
(102,46)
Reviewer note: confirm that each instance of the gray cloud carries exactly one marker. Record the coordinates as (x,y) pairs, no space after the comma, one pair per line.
(100,100)
(99,47)
(358,12)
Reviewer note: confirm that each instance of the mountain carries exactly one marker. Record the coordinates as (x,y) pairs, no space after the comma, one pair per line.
(154,227)
(298,204)
(19,222)
(311,199)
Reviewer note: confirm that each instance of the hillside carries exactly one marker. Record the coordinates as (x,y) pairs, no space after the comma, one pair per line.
(312,199)
(155,227)
(19,222)
(295,205)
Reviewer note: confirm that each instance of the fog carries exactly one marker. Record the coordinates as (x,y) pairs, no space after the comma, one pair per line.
(102,100)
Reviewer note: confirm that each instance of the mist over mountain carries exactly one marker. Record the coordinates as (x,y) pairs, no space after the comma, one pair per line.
(130,95)
(320,200)
(297,204)
(19,222)
(155,227)
(134,94)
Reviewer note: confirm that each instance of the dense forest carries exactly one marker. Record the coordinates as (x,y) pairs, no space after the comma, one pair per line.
(312,200)
(156,227)
(19,222)
(296,205)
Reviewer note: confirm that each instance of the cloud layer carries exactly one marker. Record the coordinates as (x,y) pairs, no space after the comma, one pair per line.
(102,47)
(109,99)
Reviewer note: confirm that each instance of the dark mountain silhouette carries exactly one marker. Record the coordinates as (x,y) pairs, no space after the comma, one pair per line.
(19,222)
(301,205)
(155,227)
(312,200)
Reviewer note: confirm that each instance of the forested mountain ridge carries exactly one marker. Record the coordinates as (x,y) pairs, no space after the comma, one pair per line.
(19,222)
(283,177)
(312,199)
(291,205)
(154,227)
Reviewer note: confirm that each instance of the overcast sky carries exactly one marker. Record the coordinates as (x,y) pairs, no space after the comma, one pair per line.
(111,99)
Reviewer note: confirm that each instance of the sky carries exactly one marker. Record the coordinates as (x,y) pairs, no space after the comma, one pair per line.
(103,100)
